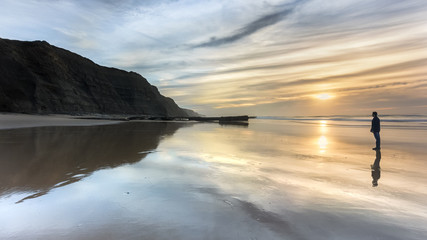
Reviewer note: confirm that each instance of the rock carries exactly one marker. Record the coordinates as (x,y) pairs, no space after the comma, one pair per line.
(191,113)
(36,77)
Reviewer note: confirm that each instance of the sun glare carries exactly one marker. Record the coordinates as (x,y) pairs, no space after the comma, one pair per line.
(323,96)
(323,143)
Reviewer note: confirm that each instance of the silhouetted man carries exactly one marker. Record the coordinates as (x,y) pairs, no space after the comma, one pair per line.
(375,129)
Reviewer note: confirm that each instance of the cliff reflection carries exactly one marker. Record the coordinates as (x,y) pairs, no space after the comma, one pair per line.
(36,160)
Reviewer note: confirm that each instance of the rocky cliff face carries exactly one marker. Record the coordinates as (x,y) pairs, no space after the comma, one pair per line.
(36,77)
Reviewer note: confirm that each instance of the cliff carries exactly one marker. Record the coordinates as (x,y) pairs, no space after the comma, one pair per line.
(36,77)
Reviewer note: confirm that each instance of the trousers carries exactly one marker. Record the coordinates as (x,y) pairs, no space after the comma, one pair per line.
(377,139)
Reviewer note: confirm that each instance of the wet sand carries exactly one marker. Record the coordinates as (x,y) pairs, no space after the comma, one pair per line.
(16,120)
(269,180)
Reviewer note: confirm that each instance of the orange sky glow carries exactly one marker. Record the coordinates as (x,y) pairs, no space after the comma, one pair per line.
(307,57)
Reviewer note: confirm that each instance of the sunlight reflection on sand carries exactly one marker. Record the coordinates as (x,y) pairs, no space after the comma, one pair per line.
(199,181)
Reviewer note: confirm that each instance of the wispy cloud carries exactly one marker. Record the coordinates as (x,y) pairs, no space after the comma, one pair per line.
(252,27)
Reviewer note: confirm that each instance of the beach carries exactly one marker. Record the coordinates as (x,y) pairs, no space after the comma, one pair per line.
(17,120)
(275,178)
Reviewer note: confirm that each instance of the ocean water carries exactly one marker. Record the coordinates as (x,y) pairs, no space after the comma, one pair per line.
(275,178)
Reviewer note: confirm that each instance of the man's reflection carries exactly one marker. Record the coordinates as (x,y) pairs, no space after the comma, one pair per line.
(375,168)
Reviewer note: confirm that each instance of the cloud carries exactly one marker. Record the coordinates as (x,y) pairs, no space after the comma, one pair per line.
(251,28)
(348,77)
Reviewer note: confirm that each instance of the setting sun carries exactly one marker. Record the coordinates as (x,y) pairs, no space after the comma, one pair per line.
(323,96)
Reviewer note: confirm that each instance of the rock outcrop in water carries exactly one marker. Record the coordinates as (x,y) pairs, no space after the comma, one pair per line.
(36,77)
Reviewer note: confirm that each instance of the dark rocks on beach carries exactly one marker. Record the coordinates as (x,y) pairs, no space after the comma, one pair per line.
(36,77)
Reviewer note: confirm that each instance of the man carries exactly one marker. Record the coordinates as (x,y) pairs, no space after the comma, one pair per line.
(375,129)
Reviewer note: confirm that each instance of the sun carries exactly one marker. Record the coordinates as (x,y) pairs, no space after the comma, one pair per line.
(323,96)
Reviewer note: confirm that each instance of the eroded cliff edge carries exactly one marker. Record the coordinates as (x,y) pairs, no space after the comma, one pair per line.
(36,77)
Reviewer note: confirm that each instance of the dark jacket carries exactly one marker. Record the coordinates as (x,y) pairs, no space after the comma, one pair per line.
(375,126)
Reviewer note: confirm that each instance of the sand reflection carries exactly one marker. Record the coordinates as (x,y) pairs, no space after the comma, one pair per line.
(211,182)
(375,168)
(36,160)
(322,142)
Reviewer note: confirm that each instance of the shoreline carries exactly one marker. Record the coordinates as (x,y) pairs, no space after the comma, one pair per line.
(21,120)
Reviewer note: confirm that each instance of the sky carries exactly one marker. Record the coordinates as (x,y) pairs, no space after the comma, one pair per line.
(233,57)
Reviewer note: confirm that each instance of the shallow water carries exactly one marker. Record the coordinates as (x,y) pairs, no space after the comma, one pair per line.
(272,179)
